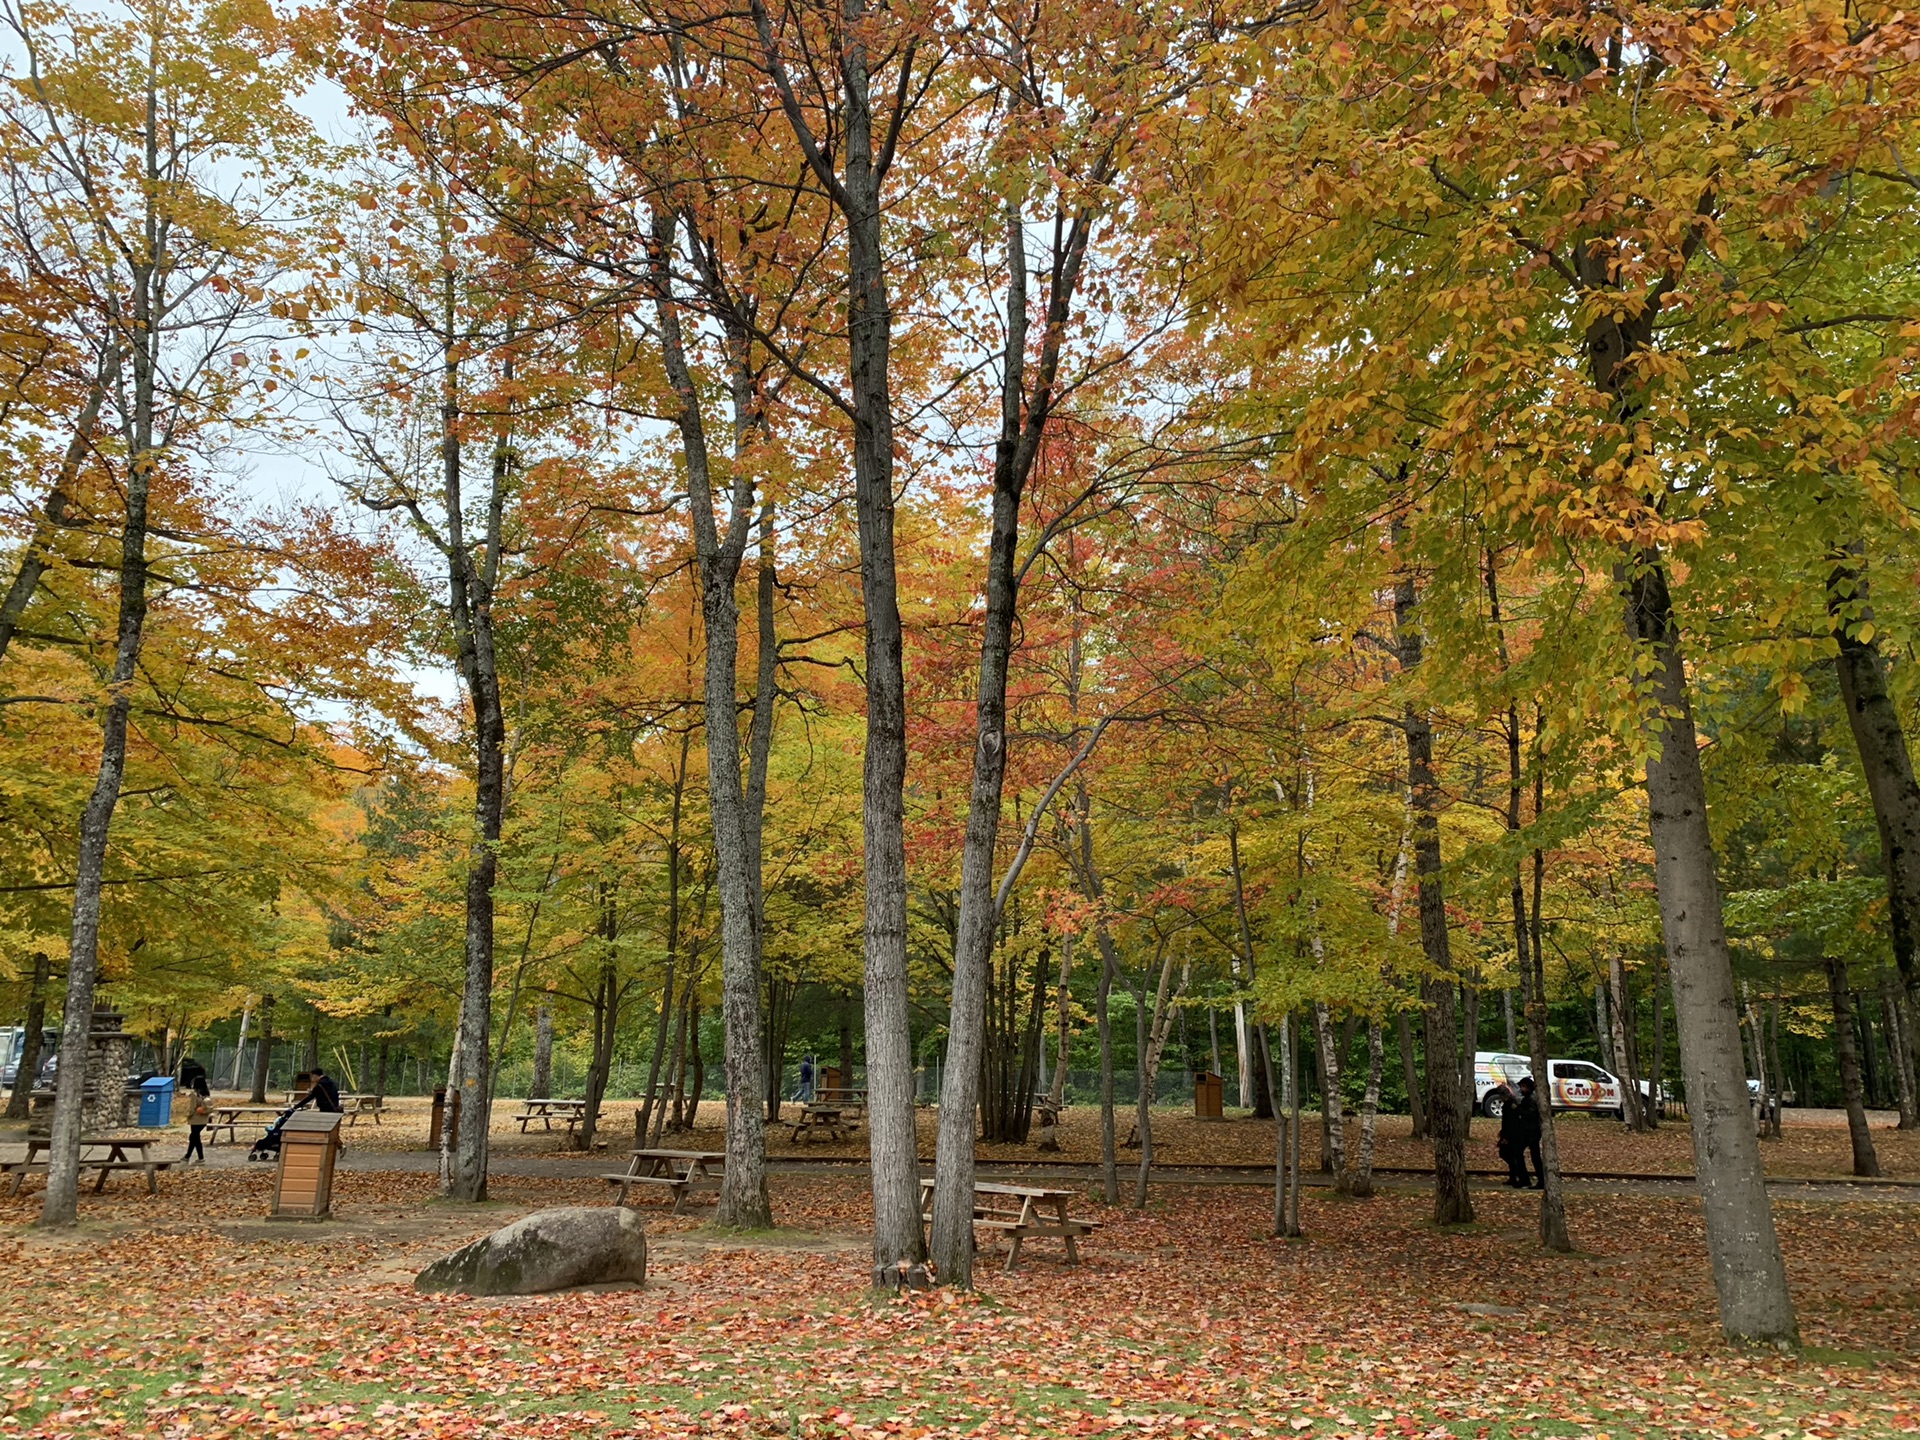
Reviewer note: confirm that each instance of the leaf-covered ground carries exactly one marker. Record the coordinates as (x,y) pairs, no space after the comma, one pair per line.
(188,1315)
(1811,1143)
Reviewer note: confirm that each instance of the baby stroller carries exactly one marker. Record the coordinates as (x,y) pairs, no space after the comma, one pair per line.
(267,1147)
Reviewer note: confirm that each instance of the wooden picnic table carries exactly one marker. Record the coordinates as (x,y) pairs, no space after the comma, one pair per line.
(681,1171)
(231,1117)
(121,1152)
(568,1112)
(360,1107)
(1016,1211)
(815,1117)
(845,1096)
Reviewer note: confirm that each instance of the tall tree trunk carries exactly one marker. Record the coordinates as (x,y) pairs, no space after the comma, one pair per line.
(1452,1203)
(744,1200)
(1886,761)
(263,1055)
(1868,1045)
(1749,1273)
(1774,1070)
(1533,982)
(1109,1160)
(240,1046)
(1470,1045)
(1359,1183)
(1335,1131)
(1659,1074)
(310,1056)
(61,1205)
(652,1099)
(899,1243)
(1620,1011)
(606,1011)
(1899,1023)
(1290,1061)
(1143,1096)
(1506,1016)
(19,1099)
(1865,1161)
(676,1059)
(1063,1005)
(1023,418)
(1756,1028)
(1280,1176)
(846,1040)
(542,1084)
(1410,1075)
(697,1081)
(470,610)
(381,1056)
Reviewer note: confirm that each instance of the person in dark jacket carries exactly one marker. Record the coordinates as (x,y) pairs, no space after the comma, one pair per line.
(1526,1142)
(323,1094)
(1509,1145)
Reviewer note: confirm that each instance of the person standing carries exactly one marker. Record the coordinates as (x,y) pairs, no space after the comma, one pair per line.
(805,1097)
(1527,1134)
(1509,1143)
(199,1114)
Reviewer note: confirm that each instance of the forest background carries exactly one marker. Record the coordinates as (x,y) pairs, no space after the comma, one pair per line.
(1205,537)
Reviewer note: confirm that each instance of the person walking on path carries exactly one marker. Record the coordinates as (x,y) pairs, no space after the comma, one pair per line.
(805,1097)
(199,1114)
(1527,1125)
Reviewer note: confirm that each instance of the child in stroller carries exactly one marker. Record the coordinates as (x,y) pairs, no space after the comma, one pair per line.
(267,1147)
(323,1093)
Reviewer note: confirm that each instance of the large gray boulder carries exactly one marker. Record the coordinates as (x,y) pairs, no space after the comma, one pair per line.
(551,1250)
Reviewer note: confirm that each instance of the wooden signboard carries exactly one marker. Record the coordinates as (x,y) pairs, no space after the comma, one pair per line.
(303,1189)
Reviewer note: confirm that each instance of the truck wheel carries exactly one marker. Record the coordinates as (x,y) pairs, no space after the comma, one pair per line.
(1492,1106)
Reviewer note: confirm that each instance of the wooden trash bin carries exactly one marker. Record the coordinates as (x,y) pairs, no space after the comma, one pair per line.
(1209,1096)
(303,1189)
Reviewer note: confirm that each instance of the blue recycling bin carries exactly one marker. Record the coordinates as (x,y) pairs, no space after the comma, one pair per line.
(156,1102)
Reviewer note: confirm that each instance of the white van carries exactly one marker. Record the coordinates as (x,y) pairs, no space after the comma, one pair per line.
(1575,1084)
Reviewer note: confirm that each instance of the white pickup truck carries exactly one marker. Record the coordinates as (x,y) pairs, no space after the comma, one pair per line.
(1575,1084)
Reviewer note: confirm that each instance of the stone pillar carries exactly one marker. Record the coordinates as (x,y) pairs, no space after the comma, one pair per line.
(109,1063)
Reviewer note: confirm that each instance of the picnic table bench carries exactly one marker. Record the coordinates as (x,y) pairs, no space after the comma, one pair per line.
(815,1117)
(681,1171)
(106,1154)
(1016,1211)
(569,1112)
(231,1117)
(361,1107)
(845,1096)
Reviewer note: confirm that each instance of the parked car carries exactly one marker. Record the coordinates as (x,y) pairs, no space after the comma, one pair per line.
(1492,1069)
(1574,1084)
(1582,1085)
(12,1041)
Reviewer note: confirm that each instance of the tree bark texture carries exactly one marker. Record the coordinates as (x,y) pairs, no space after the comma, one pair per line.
(20,1098)
(542,1084)
(1452,1202)
(1023,419)
(1748,1271)
(744,1199)
(60,1207)
(1881,740)
(263,1053)
(1865,1161)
